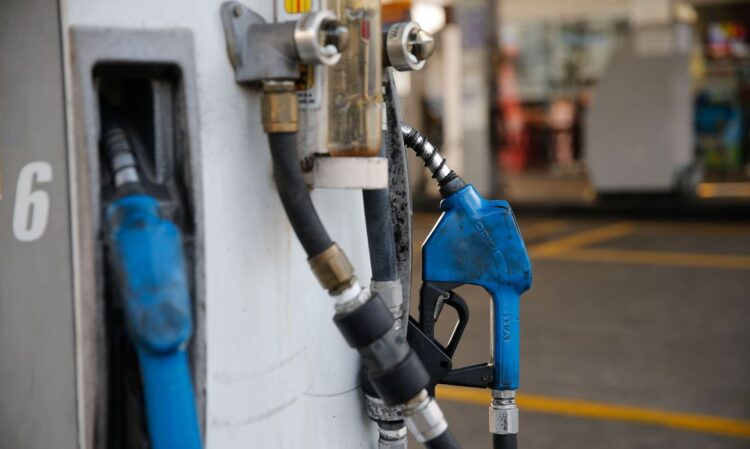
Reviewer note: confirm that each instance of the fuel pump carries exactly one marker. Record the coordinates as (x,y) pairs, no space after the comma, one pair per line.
(147,257)
(475,241)
(392,368)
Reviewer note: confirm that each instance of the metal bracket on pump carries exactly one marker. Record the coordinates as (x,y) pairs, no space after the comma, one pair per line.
(261,51)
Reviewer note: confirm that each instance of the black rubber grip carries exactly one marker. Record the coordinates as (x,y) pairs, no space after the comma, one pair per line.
(402,382)
(365,324)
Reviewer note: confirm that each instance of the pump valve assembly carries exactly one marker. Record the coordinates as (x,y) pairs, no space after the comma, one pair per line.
(476,241)
(262,51)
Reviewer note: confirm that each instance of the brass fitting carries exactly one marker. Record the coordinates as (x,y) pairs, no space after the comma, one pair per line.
(333,270)
(279,107)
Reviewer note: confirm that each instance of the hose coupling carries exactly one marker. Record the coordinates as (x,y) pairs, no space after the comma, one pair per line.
(279,107)
(120,156)
(503,412)
(320,38)
(333,270)
(392,436)
(377,410)
(424,417)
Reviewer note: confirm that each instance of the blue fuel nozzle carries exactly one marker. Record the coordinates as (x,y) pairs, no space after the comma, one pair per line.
(147,255)
(477,241)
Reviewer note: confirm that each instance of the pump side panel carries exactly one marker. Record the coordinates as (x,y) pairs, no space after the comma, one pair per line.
(37,358)
(278,374)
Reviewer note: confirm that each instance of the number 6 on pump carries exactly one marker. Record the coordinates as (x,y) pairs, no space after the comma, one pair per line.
(31,211)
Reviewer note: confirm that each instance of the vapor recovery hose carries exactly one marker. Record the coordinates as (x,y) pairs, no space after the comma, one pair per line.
(380,234)
(508,441)
(295,196)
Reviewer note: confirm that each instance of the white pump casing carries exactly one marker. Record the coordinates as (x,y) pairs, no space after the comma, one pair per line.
(276,373)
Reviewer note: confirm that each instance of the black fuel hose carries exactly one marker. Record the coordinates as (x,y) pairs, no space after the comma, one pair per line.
(444,441)
(368,328)
(294,194)
(380,234)
(509,441)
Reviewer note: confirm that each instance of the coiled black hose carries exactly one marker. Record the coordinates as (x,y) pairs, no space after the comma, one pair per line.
(509,441)
(294,194)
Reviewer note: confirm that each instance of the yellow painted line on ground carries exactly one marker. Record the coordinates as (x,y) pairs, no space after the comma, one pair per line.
(723,190)
(694,228)
(604,411)
(722,261)
(589,237)
(542,229)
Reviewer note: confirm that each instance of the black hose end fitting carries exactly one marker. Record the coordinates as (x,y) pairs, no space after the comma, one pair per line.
(506,441)
(365,324)
(451,185)
(395,371)
(400,383)
(444,441)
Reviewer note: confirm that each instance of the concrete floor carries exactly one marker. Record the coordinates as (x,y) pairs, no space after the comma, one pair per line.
(652,315)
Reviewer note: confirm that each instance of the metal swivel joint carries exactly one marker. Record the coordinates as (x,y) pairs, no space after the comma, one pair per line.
(406,46)
(271,54)
(120,156)
(261,51)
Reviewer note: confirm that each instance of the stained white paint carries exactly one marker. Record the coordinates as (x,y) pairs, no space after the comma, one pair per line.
(279,374)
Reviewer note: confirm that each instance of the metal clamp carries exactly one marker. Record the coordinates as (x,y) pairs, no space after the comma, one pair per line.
(377,410)
(261,51)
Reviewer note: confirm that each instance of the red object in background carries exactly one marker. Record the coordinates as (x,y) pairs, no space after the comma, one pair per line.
(514,149)
(727,39)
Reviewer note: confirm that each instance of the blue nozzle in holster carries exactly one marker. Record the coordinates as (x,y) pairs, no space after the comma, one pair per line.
(146,252)
(477,241)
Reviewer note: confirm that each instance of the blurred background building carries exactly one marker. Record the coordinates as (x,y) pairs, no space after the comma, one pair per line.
(575,101)
(633,114)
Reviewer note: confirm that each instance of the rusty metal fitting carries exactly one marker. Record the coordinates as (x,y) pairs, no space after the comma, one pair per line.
(279,107)
(333,270)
